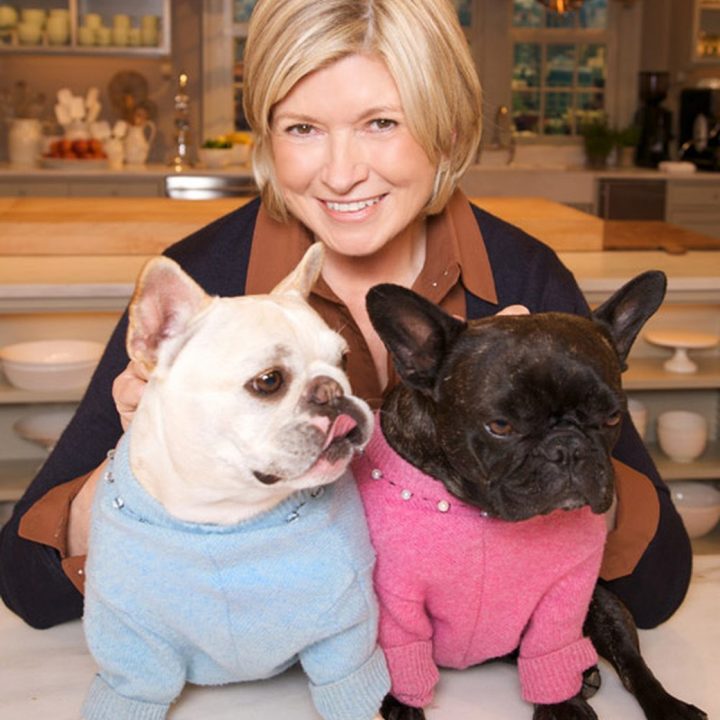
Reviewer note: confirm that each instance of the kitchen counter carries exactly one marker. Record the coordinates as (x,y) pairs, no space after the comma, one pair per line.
(94,248)
(45,673)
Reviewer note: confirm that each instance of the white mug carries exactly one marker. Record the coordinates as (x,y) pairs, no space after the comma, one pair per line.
(58,30)
(93,20)
(29,33)
(86,35)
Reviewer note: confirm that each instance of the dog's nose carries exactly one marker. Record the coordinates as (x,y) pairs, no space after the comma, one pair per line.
(323,390)
(566,450)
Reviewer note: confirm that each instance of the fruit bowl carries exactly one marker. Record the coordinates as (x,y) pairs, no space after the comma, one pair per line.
(50,365)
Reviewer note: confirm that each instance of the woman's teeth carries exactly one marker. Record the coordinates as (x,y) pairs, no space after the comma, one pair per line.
(352,206)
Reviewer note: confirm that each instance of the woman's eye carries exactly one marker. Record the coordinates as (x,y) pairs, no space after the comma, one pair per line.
(383,124)
(300,129)
(267,383)
(613,419)
(499,428)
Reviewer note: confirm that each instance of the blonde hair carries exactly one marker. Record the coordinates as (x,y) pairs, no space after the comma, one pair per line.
(423,47)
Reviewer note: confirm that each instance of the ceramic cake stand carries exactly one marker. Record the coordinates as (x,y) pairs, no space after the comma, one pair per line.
(681,341)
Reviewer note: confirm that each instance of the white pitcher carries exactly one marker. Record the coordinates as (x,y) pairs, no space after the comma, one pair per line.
(24,141)
(138,141)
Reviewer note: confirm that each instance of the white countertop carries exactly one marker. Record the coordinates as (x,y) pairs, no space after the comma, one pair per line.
(44,674)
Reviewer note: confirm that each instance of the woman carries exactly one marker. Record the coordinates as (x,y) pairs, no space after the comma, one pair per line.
(366,114)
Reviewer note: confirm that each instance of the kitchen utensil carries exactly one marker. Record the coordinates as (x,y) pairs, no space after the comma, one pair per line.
(50,365)
(137,142)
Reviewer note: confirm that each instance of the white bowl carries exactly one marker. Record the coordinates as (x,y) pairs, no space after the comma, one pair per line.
(54,365)
(215,157)
(698,504)
(682,434)
(43,428)
(638,412)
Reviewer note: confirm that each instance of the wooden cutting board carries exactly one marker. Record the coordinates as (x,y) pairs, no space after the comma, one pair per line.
(655,235)
(122,226)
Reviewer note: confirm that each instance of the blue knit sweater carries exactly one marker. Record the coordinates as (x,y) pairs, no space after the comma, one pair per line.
(169,602)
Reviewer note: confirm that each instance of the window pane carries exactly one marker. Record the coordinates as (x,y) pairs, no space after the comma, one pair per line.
(527,13)
(591,66)
(464,11)
(526,111)
(558,20)
(589,108)
(593,14)
(560,65)
(526,65)
(242,9)
(558,111)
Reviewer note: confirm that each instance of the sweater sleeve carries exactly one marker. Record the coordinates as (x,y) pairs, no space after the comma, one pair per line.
(406,637)
(347,669)
(553,651)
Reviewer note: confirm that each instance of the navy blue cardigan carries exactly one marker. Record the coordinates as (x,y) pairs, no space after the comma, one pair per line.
(32,581)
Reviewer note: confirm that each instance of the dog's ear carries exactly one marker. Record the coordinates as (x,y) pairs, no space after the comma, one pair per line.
(165,301)
(630,307)
(303,277)
(416,332)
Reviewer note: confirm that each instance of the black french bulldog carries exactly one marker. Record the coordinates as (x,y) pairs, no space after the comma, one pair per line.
(518,415)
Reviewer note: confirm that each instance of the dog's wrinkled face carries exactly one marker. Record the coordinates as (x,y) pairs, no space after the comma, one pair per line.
(247,395)
(514,414)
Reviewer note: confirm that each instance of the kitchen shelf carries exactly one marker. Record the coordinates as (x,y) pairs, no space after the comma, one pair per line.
(10,395)
(706,32)
(15,476)
(706,467)
(649,374)
(106,9)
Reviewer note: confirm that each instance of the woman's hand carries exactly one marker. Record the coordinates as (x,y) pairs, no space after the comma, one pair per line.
(514,310)
(127,390)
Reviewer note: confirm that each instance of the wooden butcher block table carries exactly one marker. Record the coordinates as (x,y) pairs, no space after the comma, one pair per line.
(144,226)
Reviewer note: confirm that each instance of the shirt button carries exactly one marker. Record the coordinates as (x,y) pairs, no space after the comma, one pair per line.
(376,474)
(80,571)
(406,494)
(118,503)
(443,506)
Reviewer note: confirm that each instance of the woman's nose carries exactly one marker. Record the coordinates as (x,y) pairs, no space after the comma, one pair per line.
(345,164)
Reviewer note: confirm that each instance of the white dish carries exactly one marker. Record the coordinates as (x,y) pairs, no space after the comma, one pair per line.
(74,164)
(43,428)
(681,341)
(50,365)
(677,167)
(698,504)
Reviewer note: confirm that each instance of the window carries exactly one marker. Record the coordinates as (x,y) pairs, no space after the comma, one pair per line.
(559,71)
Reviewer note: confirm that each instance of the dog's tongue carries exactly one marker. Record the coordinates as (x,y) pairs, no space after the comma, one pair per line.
(341,426)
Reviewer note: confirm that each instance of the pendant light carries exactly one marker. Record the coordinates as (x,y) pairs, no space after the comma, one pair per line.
(561,6)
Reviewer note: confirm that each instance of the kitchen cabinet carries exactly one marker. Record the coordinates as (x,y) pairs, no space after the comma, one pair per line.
(130,27)
(706,32)
(695,205)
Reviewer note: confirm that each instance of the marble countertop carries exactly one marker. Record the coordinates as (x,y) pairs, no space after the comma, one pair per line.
(44,674)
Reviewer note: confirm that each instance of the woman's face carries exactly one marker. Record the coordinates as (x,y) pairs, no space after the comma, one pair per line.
(345,160)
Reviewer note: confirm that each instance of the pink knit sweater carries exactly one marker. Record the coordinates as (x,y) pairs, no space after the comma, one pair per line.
(457,588)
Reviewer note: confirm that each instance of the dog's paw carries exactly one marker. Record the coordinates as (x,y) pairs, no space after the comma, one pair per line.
(670,708)
(575,708)
(393,709)
(591,682)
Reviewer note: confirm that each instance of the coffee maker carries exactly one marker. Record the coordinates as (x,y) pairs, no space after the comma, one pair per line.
(654,121)
(699,138)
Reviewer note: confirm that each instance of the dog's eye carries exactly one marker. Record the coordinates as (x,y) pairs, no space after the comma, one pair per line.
(267,382)
(613,419)
(500,428)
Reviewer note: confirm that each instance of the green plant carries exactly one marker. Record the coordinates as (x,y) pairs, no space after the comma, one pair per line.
(628,136)
(599,140)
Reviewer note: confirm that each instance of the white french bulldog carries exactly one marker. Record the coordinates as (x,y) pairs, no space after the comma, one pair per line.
(228,540)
